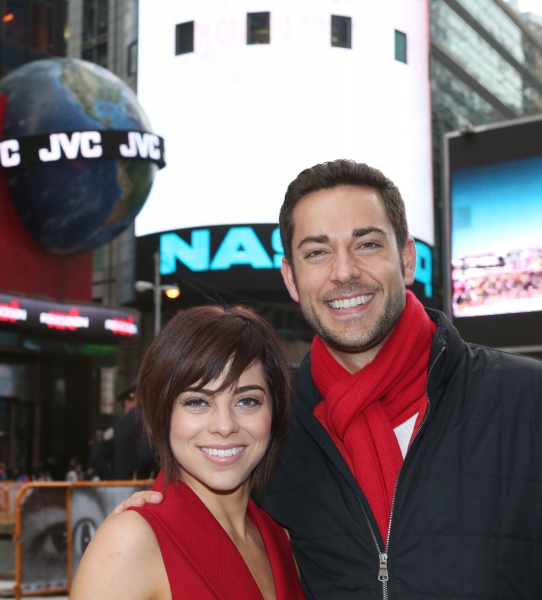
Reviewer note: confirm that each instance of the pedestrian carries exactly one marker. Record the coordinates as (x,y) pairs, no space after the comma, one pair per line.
(413,465)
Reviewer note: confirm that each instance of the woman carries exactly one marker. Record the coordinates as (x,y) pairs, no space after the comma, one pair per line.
(214,393)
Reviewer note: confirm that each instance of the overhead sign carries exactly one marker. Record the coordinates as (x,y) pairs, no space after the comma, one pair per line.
(76,145)
(92,320)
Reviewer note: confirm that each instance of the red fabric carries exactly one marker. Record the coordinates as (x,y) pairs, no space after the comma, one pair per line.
(202,563)
(360,411)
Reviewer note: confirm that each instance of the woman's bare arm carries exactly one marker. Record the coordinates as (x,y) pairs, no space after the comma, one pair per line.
(122,562)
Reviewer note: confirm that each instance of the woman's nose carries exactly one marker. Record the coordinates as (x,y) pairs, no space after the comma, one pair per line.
(223,421)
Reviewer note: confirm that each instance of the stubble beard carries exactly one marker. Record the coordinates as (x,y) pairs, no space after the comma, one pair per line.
(356,341)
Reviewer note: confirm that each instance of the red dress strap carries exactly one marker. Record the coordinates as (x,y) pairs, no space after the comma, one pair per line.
(202,562)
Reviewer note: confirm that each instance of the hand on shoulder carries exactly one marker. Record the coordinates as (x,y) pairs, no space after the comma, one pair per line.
(122,562)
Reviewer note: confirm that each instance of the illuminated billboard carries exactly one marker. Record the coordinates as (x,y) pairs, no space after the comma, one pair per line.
(495,197)
(249,94)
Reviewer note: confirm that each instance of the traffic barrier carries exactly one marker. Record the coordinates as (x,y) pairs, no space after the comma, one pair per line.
(54,523)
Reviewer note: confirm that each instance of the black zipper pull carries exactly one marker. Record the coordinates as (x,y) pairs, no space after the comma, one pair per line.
(383,567)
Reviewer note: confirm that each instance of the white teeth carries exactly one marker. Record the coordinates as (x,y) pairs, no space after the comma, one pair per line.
(350,302)
(227,452)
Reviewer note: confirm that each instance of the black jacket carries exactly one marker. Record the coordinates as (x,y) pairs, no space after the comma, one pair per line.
(467,515)
(132,454)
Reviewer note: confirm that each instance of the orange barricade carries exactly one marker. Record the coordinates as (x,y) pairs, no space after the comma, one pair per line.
(54,522)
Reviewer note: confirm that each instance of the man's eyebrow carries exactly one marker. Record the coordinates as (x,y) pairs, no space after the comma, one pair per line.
(366,230)
(314,239)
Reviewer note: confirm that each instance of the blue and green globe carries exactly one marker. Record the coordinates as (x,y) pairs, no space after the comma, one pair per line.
(71,206)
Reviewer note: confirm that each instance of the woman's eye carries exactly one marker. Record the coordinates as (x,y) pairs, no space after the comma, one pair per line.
(196,403)
(249,401)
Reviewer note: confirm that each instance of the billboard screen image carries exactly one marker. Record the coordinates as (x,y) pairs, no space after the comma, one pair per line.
(497,238)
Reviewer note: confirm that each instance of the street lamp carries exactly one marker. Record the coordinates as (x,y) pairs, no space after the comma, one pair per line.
(171,291)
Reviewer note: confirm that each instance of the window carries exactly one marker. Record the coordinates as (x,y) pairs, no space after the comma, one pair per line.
(258,28)
(94,48)
(132,58)
(184,38)
(341,31)
(41,35)
(400,46)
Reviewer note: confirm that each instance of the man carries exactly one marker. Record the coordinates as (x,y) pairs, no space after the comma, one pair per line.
(413,467)
(125,447)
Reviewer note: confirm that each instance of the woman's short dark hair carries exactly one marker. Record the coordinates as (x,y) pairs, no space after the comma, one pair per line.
(192,349)
(334,174)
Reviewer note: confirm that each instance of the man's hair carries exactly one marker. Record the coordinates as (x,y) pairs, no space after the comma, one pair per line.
(194,348)
(334,174)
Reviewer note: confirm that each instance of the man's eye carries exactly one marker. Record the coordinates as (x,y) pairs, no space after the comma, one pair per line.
(249,401)
(315,254)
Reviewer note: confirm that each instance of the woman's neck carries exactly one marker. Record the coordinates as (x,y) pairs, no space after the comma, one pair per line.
(228,508)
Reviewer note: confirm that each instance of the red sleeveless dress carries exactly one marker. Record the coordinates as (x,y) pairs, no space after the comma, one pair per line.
(202,563)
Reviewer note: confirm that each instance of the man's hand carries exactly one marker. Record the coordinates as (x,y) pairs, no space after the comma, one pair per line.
(139,499)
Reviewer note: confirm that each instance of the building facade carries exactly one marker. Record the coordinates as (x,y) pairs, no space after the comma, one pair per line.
(31,30)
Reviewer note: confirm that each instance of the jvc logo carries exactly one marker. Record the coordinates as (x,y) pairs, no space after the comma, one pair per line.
(86,142)
(9,153)
(144,145)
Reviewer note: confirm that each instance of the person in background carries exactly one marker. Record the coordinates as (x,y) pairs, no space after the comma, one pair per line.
(132,454)
(214,391)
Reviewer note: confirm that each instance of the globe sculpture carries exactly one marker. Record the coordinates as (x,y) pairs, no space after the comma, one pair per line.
(76,205)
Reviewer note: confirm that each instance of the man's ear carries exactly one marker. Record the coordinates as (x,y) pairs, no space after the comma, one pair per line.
(289,279)
(409,261)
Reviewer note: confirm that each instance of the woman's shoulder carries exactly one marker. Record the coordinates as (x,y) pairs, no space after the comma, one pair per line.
(123,560)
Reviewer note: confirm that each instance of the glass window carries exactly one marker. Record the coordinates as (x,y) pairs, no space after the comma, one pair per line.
(88,20)
(102,16)
(41,33)
(88,54)
(184,38)
(400,46)
(101,55)
(341,31)
(258,28)
(132,58)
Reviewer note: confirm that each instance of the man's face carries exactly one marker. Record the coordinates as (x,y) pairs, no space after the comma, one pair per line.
(346,270)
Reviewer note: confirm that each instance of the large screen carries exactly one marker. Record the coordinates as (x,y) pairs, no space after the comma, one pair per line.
(496,232)
(241,120)
(497,238)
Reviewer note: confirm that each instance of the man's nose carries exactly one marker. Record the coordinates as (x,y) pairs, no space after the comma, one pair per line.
(223,421)
(345,267)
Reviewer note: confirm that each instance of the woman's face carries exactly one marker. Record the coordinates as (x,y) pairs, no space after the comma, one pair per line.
(218,438)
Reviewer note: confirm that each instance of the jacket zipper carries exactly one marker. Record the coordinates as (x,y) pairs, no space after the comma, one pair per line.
(383,575)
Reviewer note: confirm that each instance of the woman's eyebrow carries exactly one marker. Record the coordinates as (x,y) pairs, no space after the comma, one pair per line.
(248,388)
(238,390)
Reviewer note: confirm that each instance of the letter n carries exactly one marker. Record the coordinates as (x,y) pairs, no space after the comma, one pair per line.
(195,256)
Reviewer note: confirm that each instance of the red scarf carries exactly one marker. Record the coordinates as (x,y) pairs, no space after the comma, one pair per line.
(362,410)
